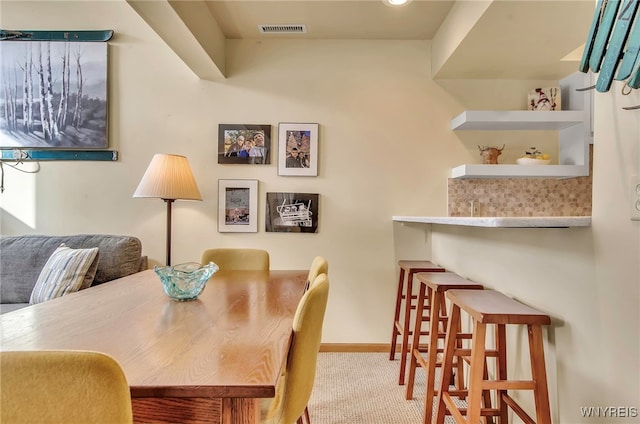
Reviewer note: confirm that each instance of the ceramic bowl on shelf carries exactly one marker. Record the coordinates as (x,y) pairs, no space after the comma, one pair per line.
(185,281)
(532,161)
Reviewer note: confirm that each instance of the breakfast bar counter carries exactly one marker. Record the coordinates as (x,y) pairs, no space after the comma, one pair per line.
(501,222)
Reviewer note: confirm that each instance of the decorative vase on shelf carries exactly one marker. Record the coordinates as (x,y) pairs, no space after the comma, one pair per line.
(534,157)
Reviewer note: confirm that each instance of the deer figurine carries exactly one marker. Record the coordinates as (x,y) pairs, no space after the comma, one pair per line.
(490,154)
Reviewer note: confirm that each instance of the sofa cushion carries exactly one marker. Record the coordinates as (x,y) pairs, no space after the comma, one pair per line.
(23,257)
(10,307)
(65,272)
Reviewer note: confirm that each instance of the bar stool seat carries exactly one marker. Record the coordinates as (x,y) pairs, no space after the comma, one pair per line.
(405,296)
(433,286)
(492,307)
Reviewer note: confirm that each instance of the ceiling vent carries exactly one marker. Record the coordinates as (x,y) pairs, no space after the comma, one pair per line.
(283,29)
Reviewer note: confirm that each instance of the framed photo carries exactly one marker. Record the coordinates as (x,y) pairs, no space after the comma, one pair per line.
(292,213)
(67,112)
(298,149)
(237,206)
(245,144)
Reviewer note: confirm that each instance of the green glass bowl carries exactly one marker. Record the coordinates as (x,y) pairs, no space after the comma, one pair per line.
(185,281)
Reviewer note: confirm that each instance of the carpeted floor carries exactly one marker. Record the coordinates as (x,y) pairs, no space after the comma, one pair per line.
(362,388)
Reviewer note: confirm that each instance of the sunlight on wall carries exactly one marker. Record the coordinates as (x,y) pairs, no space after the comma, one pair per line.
(19,196)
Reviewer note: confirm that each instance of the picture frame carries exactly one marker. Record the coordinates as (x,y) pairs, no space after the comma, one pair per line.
(298,149)
(545,99)
(292,212)
(238,206)
(244,144)
(73,114)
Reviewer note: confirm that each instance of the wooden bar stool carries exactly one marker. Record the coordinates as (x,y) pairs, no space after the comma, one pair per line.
(408,268)
(433,286)
(492,307)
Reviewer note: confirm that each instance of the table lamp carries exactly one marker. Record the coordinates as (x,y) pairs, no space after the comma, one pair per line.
(168,177)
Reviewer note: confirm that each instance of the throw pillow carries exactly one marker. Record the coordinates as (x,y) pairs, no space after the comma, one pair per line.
(66,271)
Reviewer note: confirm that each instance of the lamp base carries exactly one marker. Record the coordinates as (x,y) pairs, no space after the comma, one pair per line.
(169,202)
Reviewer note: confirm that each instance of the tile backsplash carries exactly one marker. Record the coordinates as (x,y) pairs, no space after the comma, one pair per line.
(520,196)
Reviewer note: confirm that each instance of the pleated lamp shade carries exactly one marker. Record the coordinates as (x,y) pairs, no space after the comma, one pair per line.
(168,177)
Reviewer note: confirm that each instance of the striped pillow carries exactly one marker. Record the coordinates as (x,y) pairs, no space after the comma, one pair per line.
(65,272)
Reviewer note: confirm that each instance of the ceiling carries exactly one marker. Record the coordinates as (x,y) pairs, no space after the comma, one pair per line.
(331,19)
(476,39)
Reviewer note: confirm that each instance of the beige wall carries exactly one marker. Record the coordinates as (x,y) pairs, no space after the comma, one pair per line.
(385,149)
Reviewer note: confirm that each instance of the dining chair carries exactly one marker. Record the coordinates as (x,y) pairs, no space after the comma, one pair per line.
(55,386)
(319,265)
(294,391)
(237,259)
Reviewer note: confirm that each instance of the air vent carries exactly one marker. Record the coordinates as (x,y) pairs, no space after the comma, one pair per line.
(283,29)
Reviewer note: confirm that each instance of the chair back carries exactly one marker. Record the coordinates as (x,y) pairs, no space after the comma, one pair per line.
(319,265)
(294,391)
(52,387)
(237,259)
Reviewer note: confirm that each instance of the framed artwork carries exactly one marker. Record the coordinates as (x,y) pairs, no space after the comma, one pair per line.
(245,144)
(298,149)
(292,213)
(548,98)
(237,206)
(45,104)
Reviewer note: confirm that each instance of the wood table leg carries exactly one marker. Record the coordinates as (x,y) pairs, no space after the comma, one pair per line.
(240,411)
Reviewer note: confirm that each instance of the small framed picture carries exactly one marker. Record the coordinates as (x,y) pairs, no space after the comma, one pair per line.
(298,149)
(244,144)
(292,212)
(237,206)
(545,99)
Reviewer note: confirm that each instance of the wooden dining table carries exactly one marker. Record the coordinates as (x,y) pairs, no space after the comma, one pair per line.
(208,360)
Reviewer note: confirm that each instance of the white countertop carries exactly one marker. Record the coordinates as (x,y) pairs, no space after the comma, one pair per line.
(502,222)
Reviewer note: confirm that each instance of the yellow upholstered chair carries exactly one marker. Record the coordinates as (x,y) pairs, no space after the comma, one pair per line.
(319,265)
(294,390)
(237,259)
(52,387)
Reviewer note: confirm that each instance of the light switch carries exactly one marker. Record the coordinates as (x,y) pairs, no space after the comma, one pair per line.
(634,198)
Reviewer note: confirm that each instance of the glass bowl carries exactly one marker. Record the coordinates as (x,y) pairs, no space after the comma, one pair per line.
(185,281)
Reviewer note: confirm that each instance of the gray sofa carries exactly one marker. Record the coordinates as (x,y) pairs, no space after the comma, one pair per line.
(23,257)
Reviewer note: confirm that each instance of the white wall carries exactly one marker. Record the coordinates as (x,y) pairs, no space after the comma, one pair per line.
(385,149)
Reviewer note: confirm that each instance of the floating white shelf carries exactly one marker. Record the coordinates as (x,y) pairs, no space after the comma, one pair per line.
(574,133)
(519,171)
(516,120)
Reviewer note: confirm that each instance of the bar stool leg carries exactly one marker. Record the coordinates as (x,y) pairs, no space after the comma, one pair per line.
(501,371)
(446,370)
(539,374)
(415,342)
(476,371)
(437,303)
(405,333)
(396,316)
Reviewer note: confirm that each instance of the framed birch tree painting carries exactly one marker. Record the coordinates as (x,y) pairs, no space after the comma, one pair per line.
(53,94)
